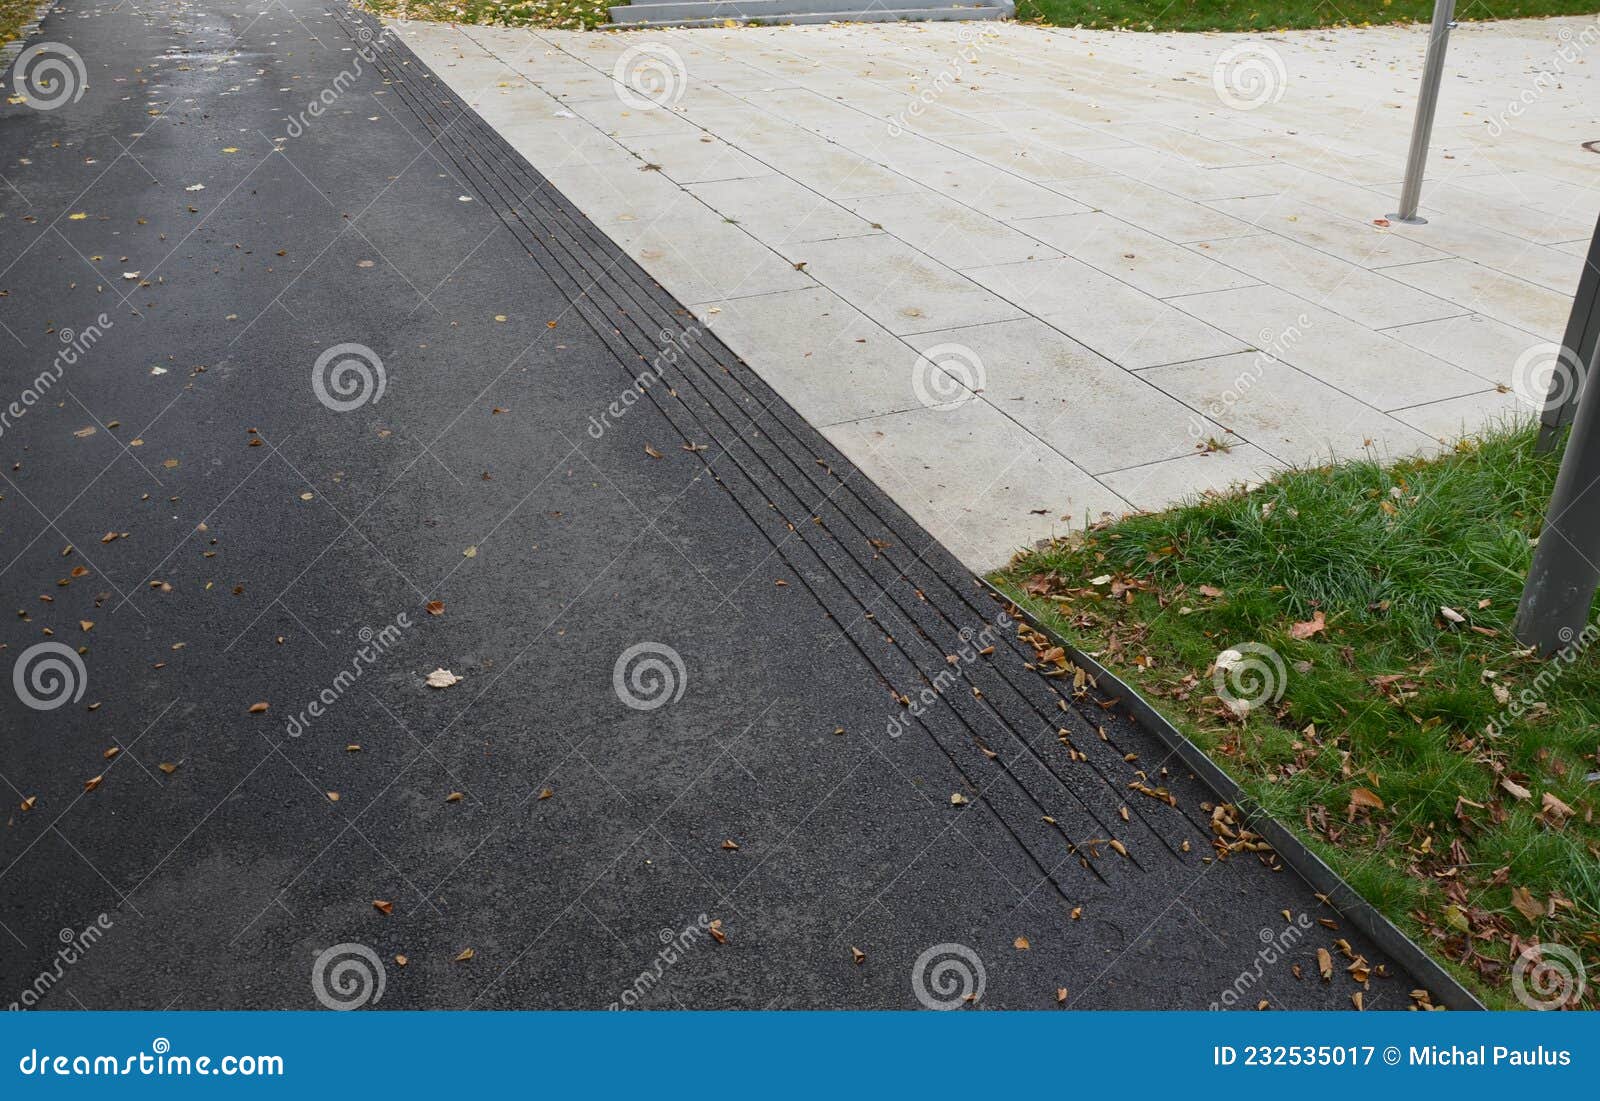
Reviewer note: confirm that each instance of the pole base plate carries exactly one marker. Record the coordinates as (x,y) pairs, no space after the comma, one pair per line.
(1414,220)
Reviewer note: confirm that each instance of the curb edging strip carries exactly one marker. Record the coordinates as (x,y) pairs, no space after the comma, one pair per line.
(1295,853)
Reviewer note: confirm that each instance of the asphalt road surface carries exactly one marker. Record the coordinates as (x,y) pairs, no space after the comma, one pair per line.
(304,404)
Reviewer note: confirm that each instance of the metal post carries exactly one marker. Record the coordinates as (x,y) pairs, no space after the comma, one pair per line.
(1564,576)
(1444,12)
(1583,330)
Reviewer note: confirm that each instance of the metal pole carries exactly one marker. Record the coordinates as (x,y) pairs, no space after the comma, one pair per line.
(1564,576)
(1444,12)
(1583,330)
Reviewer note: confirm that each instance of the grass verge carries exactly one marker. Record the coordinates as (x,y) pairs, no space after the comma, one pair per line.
(1434,764)
(1266,15)
(14,15)
(569,15)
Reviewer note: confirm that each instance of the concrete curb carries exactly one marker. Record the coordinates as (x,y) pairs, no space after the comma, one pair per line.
(1341,896)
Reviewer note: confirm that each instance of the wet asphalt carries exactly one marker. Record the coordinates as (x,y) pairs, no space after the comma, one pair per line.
(304,404)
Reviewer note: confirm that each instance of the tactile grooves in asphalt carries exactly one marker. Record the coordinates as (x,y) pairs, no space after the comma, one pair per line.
(903,602)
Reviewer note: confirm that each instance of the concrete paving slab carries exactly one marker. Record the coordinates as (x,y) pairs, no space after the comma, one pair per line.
(779,211)
(1192,221)
(983,503)
(1345,288)
(1284,412)
(1142,259)
(1492,293)
(1124,325)
(1448,421)
(904,290)
(1487,348)
(953,233)
(1072,398)
(1368,365)
(1159,485)
(828,360)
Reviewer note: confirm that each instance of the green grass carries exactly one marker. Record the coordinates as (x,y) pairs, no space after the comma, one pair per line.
(1392,702)
(13,15)
(569,15)
(1263,15)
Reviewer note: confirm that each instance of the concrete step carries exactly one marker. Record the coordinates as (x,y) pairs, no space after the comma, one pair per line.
(711,13)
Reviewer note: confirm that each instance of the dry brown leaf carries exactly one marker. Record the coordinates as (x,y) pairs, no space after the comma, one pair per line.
(545,793)
(93,782)
(167,767)
(466,954)
(1325,964)
(453,797)
(1315,625)
(858,955)
(1526,904)
(435,607)
(442,678)
(715,929)
(1020,944)
(1363,799)
(730,844)
(1555,811)
(258,708)
(383,906)
(1514,789)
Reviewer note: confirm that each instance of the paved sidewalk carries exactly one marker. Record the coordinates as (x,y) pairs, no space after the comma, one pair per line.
(1131,248)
